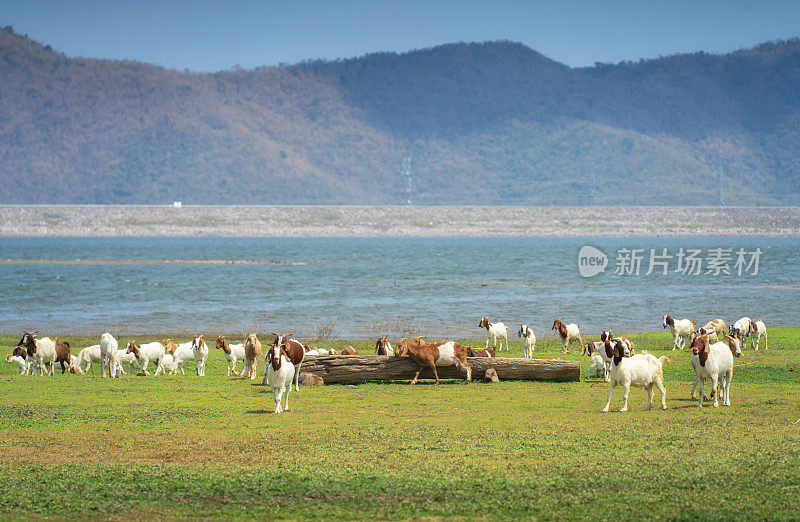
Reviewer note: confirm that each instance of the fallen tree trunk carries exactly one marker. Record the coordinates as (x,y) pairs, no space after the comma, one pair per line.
(359,368)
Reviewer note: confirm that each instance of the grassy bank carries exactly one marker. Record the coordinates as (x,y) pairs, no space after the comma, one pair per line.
(184,446)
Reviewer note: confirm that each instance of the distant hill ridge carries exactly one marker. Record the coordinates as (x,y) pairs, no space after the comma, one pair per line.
(465,123)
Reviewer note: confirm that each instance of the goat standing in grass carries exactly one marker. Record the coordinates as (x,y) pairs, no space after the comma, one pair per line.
(641,370)
(714,362)
(493,332)
(681,329)
(41,352)
(280,372)
(568,332)
(109,350)
(761,329)
(528,340)
(252,351)
(233,353)
(200,354)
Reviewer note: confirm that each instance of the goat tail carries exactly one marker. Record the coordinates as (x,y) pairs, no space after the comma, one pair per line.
(664,360)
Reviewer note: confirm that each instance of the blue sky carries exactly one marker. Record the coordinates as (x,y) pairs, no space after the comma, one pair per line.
(206,35)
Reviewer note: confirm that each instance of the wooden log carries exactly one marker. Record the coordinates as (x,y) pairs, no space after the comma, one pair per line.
(360,368)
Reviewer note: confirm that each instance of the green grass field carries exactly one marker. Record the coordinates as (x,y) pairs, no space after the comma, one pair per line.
(183,446)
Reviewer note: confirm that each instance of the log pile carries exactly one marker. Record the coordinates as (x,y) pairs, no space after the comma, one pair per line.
(360,368)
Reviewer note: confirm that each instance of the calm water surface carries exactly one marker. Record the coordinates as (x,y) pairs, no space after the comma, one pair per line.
(368,287)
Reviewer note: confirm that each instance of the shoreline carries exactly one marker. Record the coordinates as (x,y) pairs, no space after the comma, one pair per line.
(395,221)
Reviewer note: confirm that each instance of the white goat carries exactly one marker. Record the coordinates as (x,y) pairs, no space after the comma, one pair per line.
(597,368)
(641,370)
(493,332)
(320,352)
(528,340)
(681,329)
(761,329)
(742,329)
(598,348)
(715,362)
(123,357)
(108,352)
(200,354)
(182,354)
(280,373)
(21,362)
(86,357)
(148,352)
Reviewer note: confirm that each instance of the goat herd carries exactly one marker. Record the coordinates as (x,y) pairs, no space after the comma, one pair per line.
(612,357)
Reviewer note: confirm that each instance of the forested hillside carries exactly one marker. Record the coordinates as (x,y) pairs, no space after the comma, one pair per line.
(466,123)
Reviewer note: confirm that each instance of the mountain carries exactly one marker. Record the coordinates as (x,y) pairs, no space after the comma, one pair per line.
(464,123)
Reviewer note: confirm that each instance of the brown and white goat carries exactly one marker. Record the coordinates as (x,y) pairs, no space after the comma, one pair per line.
(713,329)
(568,332)
(447,353)
(349,350)
(489,352)
(295,351)
(383,346)
(494,331)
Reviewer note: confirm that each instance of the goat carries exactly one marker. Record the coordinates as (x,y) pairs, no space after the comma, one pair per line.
(109,353)
(252,351)
(641,370)
(63,355)
(41,352)
(86,357)
(146,353)
(200,353)
(715,362)
(712,329)
(493,332)
(446,353)
(761,329)
(383,346)
(280,372)
(123,357)
(489,352)
(295,351)
(528,340)
(597,368)
(681,329)
(568,333)
(181,353)
(742,329)
(349,350)
(20,361)
(598,348)
(233,352)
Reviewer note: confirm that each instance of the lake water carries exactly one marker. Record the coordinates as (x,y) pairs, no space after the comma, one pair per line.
(365,287)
